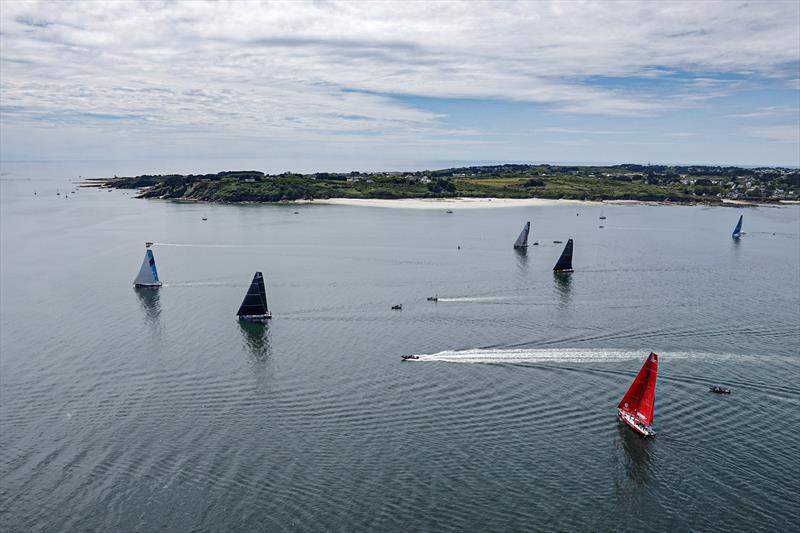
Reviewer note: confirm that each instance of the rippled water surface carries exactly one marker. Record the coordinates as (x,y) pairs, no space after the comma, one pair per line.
(125,410)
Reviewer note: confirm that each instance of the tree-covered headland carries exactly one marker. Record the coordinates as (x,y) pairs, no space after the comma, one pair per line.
(659,183)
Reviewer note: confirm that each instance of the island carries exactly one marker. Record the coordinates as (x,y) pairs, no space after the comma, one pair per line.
(649,183)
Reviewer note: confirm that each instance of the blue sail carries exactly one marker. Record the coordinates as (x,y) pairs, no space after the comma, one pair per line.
(152,261)
(738,229)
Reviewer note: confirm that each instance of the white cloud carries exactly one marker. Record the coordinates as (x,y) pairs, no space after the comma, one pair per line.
(770,111)
(783,133)
(307,70)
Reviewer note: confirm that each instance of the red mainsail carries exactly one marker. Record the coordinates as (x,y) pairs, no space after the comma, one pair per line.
(640,400)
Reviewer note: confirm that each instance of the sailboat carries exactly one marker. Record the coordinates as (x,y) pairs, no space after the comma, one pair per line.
(522,240)
(602,216)
(565,261)
(147,278)
(737,231)
(254,306)
(637,407)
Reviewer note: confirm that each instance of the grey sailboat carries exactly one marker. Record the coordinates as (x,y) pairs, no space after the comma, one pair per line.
(522,240)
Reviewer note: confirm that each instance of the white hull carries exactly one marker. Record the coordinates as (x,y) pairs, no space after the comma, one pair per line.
(147,285)
(635,424)
(259,319)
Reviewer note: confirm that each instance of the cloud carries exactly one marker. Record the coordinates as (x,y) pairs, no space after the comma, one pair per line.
(317,69)
(783,133)
(770,111)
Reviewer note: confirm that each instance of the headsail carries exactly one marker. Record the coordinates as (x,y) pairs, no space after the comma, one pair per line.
(737,231)
(148,275)
(565,261)
(255,301)
(522,240)
(640,399)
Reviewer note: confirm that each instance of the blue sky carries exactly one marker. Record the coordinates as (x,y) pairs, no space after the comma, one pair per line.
(388,84)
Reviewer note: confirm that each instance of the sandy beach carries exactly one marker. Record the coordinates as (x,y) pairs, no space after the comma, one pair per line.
(453,203)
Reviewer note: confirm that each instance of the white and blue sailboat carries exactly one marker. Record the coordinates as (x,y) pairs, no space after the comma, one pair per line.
(147,278)
(737,231)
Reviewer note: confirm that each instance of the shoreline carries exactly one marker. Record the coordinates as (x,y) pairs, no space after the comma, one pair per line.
(448,203)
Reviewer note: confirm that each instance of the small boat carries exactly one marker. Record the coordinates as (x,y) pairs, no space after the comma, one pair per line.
(398,307)
(147,278)
(204,218)
(601,227)
(602,216)
(737,231)
(449,211)
(254,307)
(297,212)
(433,298)
(557,242)
(564,263)
(408,357)
(522,240)
(637,407)
(719,390)
(536,243)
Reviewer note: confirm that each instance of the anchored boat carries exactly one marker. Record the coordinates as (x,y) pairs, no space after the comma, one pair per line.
(638,405)
(147,278)
(522,240)
(254,306)
(564,263)
(737,231)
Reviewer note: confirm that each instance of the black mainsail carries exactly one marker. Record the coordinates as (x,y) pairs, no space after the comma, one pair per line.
(522,240)
(254,306)
(565,261)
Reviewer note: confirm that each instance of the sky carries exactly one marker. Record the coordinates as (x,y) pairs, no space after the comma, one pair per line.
(326,84)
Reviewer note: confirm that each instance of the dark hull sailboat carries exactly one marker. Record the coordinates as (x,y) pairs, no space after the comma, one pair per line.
(637,407)
(147,278)
(522,240)
(564,263)
(737,231)
(254,306)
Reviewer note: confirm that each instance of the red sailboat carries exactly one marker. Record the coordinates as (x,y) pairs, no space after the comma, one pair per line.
(637,406)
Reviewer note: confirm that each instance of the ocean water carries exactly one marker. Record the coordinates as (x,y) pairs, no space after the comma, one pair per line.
(125,410)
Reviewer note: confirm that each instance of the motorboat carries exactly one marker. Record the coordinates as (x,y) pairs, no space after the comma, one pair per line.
(719,390)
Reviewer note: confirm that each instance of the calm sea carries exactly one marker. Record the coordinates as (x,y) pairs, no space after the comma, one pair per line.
(141,411)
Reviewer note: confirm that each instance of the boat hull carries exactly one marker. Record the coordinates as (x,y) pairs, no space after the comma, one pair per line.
(258,319)
(147,285)
(635,424)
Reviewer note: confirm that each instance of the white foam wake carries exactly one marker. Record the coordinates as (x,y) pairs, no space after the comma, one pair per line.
(559,355)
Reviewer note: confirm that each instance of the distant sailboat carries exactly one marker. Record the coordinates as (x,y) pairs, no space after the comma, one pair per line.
(147,278)
(602,216)
(254,306)
(737,231)
(565,261)
(522,240)
(637,407)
